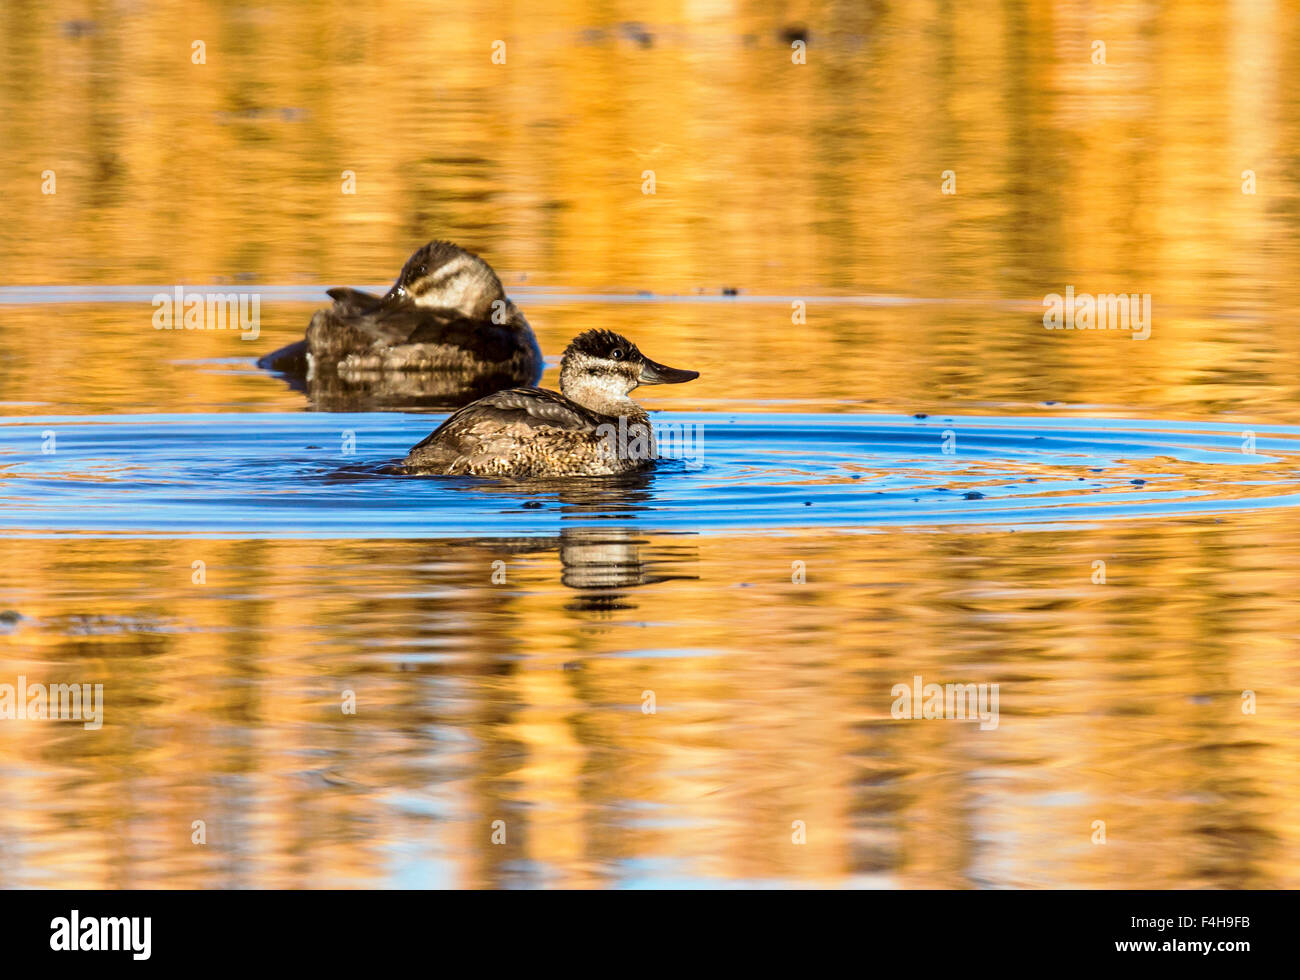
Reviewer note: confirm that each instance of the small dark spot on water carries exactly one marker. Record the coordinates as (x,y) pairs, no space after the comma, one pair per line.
(973,495)
(573,665)
(729,291)
(77,29)
(1051,403)
(807,503)
(920,415)
(940,489)
(794,32)
(1137,483)
(856,476)
(635,31)
(532,504)
(313,447)
(9,616)
(1095,469)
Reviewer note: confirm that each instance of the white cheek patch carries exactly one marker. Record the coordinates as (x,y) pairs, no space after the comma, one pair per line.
(597,384)
(462,285)
(610,385)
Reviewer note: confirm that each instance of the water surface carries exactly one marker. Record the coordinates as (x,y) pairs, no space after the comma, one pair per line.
(901,473)
(339,475)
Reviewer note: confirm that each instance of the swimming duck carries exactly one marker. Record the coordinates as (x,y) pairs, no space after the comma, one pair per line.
(589,428)
(447,318)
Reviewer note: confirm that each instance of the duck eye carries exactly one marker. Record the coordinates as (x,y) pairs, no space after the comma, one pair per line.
(617,353)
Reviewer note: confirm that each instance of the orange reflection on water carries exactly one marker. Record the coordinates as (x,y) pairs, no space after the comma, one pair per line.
(523,702)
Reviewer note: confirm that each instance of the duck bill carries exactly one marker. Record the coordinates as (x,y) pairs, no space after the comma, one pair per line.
(653,373)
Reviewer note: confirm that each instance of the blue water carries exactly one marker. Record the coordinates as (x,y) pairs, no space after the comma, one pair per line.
(301,475)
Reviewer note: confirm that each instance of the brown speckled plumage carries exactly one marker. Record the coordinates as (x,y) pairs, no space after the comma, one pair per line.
(592,429)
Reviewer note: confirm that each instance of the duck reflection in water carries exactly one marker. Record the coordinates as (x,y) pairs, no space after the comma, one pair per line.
(601,561)
(605,563)
(602,564)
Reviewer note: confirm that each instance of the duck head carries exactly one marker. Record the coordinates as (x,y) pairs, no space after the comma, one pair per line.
(601,368)
(445,276)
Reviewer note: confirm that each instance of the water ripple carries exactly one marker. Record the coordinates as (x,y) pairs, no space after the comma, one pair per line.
(291,475)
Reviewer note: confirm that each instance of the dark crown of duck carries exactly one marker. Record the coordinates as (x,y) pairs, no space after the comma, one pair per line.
(448,277)
(606,355)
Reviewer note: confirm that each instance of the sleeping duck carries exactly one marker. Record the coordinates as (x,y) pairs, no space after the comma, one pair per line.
(444,334)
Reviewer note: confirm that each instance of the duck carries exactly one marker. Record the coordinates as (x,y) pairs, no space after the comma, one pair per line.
(590,427)
(446,319)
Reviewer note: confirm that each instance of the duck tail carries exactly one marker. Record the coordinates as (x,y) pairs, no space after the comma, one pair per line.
(290,360)
(351,300)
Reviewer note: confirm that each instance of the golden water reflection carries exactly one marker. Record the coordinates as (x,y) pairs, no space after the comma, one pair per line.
(522,701)
(770,176)
(939,360)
